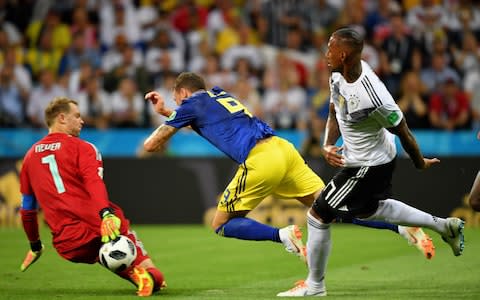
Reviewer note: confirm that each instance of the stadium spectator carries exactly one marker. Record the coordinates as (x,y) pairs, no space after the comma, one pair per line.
(243,70)
(41,95)
(425,21)
(77,80)
(316,49)
(127,67)
(13,34)
(353,15)
(437,72)
(118,17)
(12,99)
(280,15)
(150,17)
(13,58)
(236,32)
(181,15)
(285,102)
(45,56)
(362,187)
(222,15)
(58,32)
(396,53)
(74,199)
(163,55)
(320,15)
(379,16)
(127,105)
(81,24)
(114,56)
(449,108)
(272,164)
(243,49)
(295,50)
(198,56)
(215,75)
(467,58)
(94,104)
(18,13)
(461,17)
(286,105)
(78,53)
(412,101)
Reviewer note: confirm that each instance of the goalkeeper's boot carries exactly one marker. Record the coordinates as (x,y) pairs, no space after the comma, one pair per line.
(291,237)
(143,280)
(454,236)
(32,256)
(301,290)
(418,238)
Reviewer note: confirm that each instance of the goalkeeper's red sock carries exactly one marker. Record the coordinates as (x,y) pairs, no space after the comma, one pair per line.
(125,274)
(158,279)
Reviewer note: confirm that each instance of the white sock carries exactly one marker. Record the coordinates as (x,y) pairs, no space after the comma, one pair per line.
(396,212)
(319,245)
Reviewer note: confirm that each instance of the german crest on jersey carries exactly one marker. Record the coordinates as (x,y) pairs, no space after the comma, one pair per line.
(352,103)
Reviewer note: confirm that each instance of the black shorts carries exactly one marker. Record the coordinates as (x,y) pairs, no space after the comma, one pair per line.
(355,192)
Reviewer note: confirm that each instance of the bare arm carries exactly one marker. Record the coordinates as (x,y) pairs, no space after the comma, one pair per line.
(158,104)
(474,196)
(411,147)
(332,133)
(159,137)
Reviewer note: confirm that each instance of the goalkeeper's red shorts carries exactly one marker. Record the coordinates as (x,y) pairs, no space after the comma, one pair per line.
(80,242)
(88,252)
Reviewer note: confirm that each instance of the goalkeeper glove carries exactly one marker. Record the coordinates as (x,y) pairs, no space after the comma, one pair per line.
(110,228)
(36,249)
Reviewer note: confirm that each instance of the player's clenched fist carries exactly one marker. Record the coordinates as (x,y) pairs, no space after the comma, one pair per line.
(110,228)
(157,101)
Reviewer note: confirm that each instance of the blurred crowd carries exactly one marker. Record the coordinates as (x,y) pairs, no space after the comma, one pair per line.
(268,53)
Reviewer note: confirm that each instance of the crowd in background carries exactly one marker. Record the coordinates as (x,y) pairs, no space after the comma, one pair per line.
(268,53)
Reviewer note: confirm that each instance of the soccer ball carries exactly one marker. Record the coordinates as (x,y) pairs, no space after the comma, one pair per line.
(117,255)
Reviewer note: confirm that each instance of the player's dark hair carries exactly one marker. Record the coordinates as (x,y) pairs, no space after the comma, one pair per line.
(190,81)
(351,38)
(57,106)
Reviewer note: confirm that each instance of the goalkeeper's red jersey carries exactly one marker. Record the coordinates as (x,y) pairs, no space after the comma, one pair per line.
(65,174)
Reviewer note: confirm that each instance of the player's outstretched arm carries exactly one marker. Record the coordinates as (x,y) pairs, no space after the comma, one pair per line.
(158,104)
(411,147)
(159,137)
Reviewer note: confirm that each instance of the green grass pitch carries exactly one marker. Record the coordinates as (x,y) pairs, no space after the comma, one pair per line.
(364,264)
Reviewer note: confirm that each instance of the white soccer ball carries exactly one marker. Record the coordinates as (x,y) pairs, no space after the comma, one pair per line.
(117,255)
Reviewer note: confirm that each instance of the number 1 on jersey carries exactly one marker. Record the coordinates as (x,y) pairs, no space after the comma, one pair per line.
(52,164)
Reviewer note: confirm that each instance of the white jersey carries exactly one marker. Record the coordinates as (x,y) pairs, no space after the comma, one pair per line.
(364,109)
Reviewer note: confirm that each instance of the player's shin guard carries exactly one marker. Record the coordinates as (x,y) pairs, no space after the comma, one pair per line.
(126,274)
(248,229)
(319,245)
(397,212)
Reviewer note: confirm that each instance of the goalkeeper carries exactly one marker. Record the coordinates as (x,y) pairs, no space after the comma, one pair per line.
(63,175)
